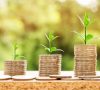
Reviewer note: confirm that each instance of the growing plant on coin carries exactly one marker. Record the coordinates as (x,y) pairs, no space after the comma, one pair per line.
(50,37)
(15,55)
(85,22)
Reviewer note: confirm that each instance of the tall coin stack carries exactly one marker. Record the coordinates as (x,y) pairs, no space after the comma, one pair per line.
(85,57)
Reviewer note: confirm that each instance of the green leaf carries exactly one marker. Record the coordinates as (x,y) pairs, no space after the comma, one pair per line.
(86,20)
(51,37)
(55,37)
(89,37)
(46,48)
(22,57)
(53,49)
(60,50)
(47,37)
(81,20)
(80,35)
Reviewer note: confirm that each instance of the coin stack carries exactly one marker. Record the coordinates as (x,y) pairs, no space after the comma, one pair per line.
(49,65)
(15,67)
(85,57)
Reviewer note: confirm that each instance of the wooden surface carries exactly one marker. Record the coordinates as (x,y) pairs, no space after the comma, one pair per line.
(50,85)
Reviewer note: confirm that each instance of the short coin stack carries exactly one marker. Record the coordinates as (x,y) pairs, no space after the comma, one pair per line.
(49,65)
(85,60)
(15,68)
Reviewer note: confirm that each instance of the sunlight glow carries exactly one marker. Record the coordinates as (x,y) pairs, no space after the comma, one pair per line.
(84,2)
(3,3)
(62,1)
(91,4)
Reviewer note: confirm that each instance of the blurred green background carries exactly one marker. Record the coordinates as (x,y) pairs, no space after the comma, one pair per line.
(27,21)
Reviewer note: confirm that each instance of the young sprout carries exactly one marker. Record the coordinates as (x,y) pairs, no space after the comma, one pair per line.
(15,48)
(50,37)
(85,22)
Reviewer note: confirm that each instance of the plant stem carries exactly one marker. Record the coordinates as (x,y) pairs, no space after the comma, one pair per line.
(85,36)
(14,53)
(50,46)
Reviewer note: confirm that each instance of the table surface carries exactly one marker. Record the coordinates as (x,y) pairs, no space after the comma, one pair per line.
(34,74)
(50,85)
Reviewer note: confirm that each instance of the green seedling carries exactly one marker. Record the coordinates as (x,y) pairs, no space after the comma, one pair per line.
(85,22)
(50,37)
(15,48)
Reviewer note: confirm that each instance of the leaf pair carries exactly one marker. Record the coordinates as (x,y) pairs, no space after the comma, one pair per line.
(88,36)
(19,56)
(52,49)
(51,37)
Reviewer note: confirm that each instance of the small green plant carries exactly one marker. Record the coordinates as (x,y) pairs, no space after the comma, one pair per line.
(15,55)
(50,37)
(86,22)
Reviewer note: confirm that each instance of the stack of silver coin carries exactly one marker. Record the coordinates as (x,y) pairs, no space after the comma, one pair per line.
(49,65)
(15,67)
(85,57)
